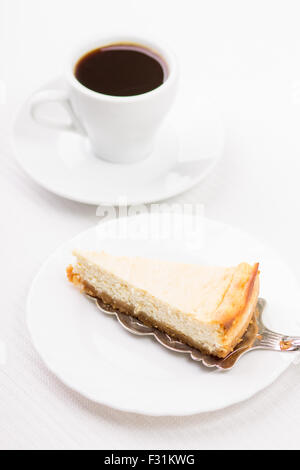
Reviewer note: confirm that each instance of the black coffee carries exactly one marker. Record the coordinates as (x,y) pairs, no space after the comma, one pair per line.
(121,70)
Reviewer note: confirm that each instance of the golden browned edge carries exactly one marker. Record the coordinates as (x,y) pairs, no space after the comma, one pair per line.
(231,319)
(251,296)
(129,310)
(252,314)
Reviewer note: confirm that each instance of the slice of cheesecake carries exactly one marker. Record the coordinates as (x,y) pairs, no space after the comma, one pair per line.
(206,307)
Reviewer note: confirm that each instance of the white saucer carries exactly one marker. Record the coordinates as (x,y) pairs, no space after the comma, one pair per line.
(92,354)
(187,148)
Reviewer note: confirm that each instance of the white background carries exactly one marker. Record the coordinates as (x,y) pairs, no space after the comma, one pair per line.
(246,54)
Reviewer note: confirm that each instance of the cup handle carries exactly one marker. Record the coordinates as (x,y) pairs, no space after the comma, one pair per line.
(55,96)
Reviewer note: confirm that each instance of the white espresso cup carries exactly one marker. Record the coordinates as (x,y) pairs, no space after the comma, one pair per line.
(120,129)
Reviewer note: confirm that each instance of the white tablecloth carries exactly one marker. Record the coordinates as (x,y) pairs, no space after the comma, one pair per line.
(246,55)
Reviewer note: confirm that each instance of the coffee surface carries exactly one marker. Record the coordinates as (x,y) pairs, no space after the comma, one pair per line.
(121,70)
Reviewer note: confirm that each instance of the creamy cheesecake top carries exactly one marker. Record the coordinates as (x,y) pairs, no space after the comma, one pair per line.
(206,292)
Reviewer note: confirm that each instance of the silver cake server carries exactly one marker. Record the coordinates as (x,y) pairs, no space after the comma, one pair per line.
(258,336)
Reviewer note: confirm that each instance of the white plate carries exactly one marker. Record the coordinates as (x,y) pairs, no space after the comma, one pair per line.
(187,148)
(94,355)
